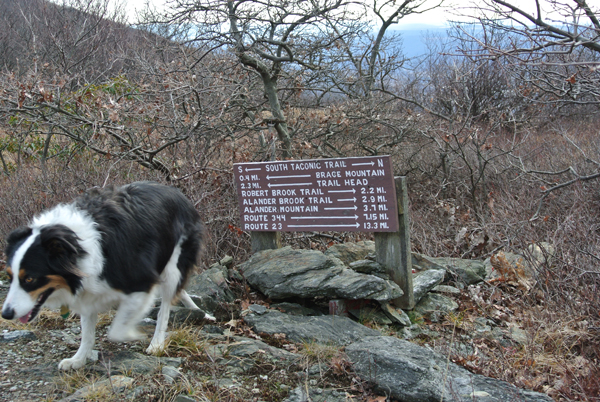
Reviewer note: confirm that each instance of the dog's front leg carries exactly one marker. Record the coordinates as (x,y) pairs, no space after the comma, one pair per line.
(88,338)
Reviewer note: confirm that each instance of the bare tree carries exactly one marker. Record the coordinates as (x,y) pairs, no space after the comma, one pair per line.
(278,40)
(76,37)
(554,46)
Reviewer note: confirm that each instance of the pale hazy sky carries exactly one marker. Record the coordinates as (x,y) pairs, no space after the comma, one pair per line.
(436,16)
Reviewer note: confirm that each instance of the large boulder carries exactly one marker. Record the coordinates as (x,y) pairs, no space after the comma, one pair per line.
(285,272)
(413,373)
(322,329)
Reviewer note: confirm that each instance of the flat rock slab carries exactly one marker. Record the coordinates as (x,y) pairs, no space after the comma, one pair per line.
(327,329)
(16,335)
(413,373)
(285,272)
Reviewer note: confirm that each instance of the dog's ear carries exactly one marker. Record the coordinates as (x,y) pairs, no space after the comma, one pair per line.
(15,237)
(60,241)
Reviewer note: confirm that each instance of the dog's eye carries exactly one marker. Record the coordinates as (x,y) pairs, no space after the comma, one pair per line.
(29,279)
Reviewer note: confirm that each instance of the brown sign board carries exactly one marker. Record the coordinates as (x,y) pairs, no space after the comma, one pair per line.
(340,194)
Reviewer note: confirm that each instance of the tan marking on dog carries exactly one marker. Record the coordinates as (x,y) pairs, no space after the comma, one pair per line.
(22,273)
(56,282)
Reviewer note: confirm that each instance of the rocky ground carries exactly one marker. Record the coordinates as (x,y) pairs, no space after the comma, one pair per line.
(292,350)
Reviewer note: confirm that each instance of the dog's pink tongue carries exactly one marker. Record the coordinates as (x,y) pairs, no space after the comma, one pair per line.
(25,318)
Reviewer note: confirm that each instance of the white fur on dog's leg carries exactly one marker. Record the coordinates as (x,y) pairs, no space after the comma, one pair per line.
(130,312)
(187,300)
(88,338)
(157,344)
(209,317)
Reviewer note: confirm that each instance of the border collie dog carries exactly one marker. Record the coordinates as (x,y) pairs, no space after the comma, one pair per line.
(110,247)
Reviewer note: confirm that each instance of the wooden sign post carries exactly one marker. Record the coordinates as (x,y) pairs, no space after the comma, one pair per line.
(342,194)
(393,250)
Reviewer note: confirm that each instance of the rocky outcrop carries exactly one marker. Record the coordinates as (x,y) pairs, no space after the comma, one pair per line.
(413,373)
(285,272)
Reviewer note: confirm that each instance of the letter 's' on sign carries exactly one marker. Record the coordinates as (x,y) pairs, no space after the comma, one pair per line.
(342,194)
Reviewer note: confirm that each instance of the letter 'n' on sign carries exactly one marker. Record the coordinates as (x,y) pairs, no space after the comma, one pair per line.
(343,194)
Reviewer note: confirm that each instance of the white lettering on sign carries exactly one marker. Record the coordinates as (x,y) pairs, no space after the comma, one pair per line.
(327,175)
(354,193)
(278,167)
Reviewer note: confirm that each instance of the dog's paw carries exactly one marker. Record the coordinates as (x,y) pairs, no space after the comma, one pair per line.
(209,317)
(71,364)
(155,349)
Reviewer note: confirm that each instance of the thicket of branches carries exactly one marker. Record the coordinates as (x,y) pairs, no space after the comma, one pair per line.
(496,127)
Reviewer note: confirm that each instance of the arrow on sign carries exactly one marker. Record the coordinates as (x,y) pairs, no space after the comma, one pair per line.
(286,177)
(289,184)
(252,169)
(325,217)
(348,199)
(342,191)
(363,164)
(335,208)
(354,225)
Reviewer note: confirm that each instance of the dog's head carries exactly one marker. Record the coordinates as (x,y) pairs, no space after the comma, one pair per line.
(40,261)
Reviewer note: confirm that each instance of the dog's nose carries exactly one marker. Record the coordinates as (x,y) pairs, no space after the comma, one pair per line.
(8,313)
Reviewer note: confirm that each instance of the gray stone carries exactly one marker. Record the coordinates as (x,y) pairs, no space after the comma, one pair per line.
(226,261)
(465,271)
(181,315)
(425,281)
(171,374)
(184,398)
(257,308)
(370,314)
(294,309)
(16,335)
(435,305)
(283,273)
(514,261)
(412,373)
(397,315)
(300,394)
(209,289)
(349,252)
(518,335)
(322,329)
(541,253)
(116,384)
(368,267)
(132,363)
(250,348)
(451,290)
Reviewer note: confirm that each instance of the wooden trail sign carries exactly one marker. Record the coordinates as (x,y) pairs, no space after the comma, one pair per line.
(341,194)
